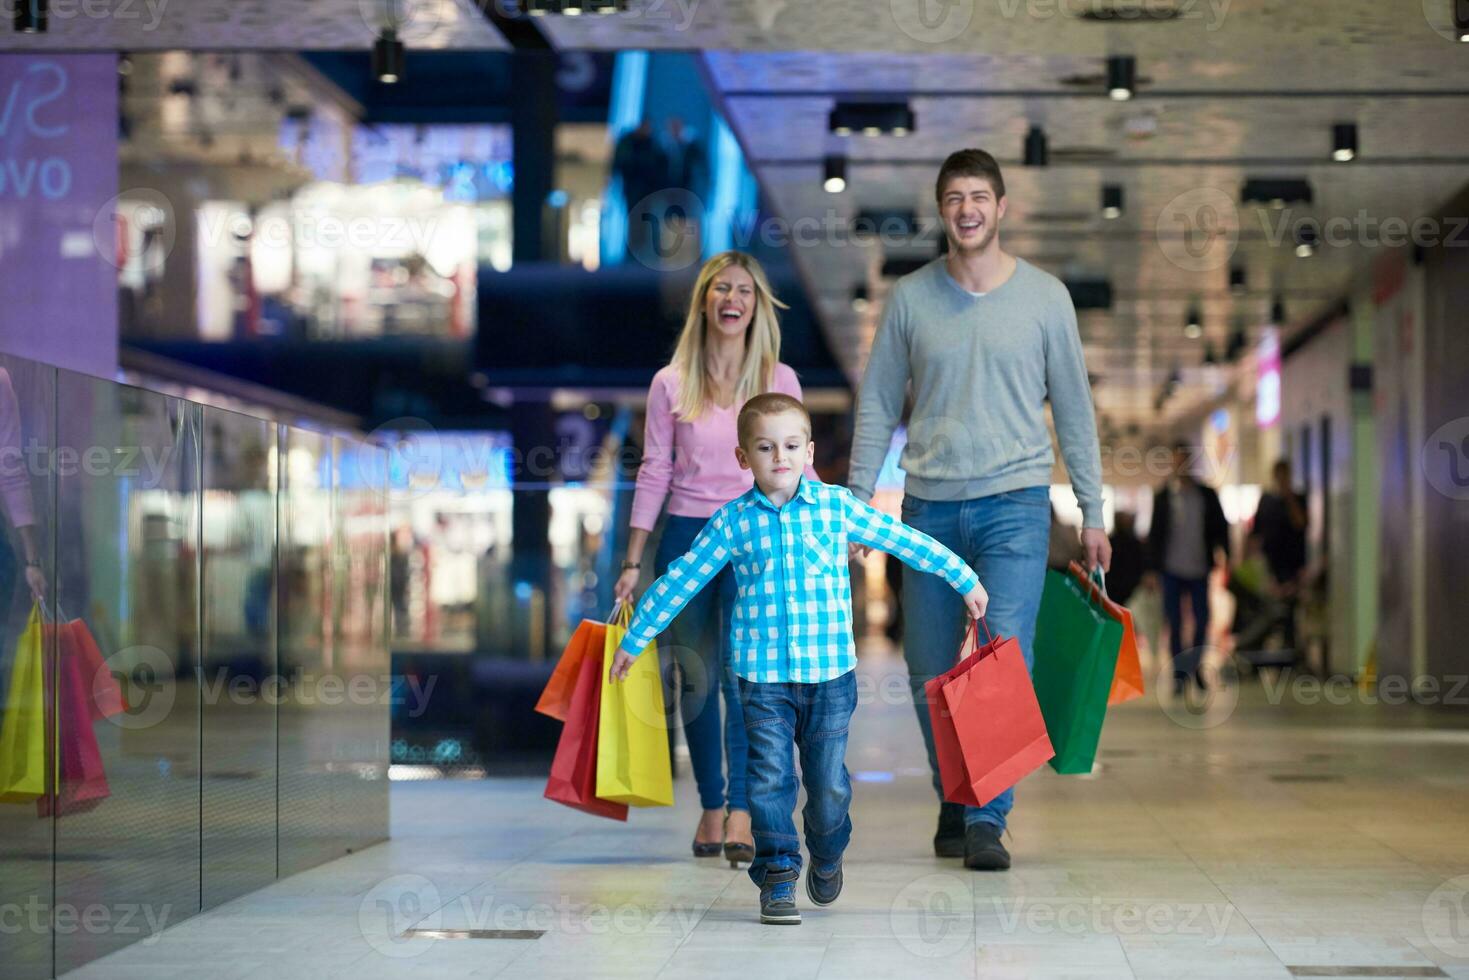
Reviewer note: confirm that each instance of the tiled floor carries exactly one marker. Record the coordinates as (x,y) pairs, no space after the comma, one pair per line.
(1276,833)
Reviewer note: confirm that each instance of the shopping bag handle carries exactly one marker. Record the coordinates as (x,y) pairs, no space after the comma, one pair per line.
(621,614)
(46,613)
(974,632)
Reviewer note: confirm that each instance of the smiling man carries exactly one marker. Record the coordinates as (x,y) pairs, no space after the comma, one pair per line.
(986,339)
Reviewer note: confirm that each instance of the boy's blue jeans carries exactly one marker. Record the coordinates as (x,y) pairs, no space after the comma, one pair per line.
(781,719)
(1004,538)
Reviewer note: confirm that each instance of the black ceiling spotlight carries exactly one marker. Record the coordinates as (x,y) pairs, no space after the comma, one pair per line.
(1277,310)
(1307,239)
(1111,201)
(1276,191)
(1461,20)
(834,174)
(1121,77)
(387,57)
(1210,356)
(1344,142)
(872,119)
(859,298)
(1037,149)
(1238,341)
(1237,280)
(1193,327)
(30,16)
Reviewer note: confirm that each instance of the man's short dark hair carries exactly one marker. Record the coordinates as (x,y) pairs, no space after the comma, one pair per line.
(969,163)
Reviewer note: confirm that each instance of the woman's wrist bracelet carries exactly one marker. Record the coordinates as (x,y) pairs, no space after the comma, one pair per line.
(630,564)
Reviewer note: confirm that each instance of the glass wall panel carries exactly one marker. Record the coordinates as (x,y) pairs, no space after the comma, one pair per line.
(239,684)
(27,505)
(127,531)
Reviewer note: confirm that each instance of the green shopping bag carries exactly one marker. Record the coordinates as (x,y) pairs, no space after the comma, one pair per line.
(1076,645)
(23,728)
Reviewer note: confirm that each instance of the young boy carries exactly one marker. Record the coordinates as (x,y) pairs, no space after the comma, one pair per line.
(791,639)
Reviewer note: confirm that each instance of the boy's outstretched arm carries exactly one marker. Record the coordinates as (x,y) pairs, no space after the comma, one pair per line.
(869,526)
(672,590)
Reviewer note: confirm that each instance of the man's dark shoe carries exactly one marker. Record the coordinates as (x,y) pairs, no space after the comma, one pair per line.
(825,885)
(778,898)
(983,850)
(948,842)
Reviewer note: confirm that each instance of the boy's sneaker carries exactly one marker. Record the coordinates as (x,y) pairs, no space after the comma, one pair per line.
(825,885)
(778,898)
(983,850)
(948,841)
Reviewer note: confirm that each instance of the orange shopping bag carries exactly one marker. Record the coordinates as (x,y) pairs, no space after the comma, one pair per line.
(1127,681)
(573,779)
(556,698)
(987,725)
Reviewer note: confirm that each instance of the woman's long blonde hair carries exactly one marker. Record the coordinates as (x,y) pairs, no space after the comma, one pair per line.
(762,339)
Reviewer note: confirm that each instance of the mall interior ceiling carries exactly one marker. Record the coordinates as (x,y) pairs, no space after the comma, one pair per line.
(1193,155)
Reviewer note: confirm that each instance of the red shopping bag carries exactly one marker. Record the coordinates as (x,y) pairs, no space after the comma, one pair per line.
(556,698)
(987,726)
(80,781)
(104,696)
(573,779)
(1127,681)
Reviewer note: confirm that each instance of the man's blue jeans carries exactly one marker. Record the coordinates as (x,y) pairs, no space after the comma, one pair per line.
(781,719)
(697,639)
(1186,659)
(1004,538)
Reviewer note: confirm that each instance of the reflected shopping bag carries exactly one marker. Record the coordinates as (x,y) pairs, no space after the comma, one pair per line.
(633,766)
(80,781)
(103,694)
(1127,681)
(988,730)
(556,698)
(573,779)
(1076,646)
(23,727)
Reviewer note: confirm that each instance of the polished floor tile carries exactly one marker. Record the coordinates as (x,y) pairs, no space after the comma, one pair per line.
(1258,834)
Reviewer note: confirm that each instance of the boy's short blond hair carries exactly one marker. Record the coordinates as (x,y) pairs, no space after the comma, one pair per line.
(770,403)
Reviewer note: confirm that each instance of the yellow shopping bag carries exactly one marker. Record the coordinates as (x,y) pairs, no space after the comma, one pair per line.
(632,732)
(23,728)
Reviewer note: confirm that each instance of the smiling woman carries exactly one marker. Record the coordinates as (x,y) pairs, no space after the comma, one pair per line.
(727,353)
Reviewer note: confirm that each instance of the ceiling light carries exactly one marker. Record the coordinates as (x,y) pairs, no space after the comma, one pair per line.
(859,298)
(834,178)
(1111,201)
(30,16)
(1194,327)
(1306,242)
(1276,191)
(1344,142)
(1121,77)
(1277,311)
(872,119)
(1461,20)
(387,57)
(1237,280)
(1037,149)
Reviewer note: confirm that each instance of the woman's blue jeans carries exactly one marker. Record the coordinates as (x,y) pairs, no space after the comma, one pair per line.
(698,640)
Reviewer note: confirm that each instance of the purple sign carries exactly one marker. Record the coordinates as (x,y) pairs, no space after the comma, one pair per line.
(58,184)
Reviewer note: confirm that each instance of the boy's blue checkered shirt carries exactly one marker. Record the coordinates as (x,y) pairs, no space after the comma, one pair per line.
(793,613)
